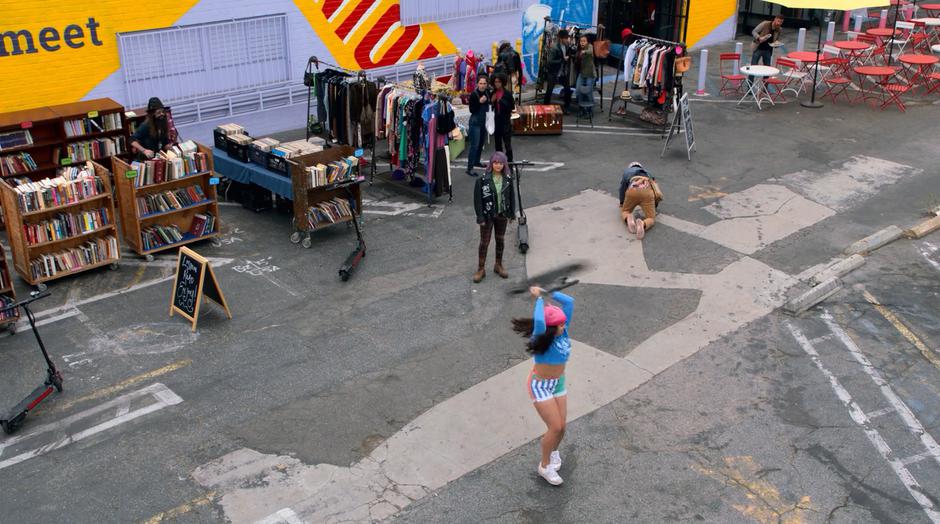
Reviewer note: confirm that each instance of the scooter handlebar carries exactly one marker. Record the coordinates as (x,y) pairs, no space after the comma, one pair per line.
(33,296)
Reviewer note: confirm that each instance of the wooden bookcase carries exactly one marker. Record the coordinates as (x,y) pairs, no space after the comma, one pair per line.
(24,252)
(47,128)
(306,196)
(131,221)
(6,289)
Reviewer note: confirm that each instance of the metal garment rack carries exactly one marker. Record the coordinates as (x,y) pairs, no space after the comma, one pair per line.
(382,83)
(623,57)
(313,66)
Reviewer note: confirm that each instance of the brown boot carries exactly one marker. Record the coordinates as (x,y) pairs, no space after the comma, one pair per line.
(500,270)
(478,276)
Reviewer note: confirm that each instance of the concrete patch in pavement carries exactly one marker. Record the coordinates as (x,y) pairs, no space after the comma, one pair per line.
(849,184)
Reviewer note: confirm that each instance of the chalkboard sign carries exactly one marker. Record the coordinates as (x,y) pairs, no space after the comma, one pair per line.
(194,280)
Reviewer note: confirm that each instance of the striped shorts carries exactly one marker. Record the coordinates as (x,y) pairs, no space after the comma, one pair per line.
(542,389)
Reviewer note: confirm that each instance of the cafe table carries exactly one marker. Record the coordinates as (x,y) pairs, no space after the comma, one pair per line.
(920,67)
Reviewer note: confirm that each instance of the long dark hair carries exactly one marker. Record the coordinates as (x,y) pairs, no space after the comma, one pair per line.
(539,344)
(159,128)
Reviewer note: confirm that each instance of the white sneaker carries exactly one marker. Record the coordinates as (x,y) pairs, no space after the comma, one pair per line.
(555,460)
(550,475)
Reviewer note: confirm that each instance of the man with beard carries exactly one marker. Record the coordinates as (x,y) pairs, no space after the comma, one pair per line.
(154,135)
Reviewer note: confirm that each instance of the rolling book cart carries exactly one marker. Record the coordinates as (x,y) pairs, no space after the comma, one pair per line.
(30,252)
(306,195)
(8,317)
(146,232)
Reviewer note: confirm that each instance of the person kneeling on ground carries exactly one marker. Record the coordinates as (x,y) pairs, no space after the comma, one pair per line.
(638,188)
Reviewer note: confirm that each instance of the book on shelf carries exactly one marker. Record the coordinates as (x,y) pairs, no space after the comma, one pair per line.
(333,173)
(89,125)
(156,236)
(329,211)
(17,163)
(91,252)
(178,162)
(94,149)
(17,138)
(65,225)
(5,302)
(296,148)
(168,200)
(240,139)
(202,224)
(73,184)
(3,278)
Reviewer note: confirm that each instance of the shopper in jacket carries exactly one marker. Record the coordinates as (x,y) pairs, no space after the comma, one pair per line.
(558,58)
(503,105)
(155,134)
(547,333)
(509,63)
(479,105)
(494,201)
(585,84)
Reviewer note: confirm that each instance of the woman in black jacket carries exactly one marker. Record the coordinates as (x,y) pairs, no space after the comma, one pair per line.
(494,202)
(503,106)
(479,104)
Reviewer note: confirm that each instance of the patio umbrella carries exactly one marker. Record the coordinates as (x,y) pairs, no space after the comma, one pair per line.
(839,5)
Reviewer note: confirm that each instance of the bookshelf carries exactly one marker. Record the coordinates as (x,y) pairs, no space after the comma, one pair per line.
(29,250)
(49,143)
(306,195)
(8,319)
(134,223)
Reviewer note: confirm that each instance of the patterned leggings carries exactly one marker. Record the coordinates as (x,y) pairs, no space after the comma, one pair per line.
(486,229)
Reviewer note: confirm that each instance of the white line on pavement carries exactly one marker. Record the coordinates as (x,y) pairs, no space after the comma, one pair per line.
(163,396)
(913,424)
(857,415)
(877,413)
(281,516)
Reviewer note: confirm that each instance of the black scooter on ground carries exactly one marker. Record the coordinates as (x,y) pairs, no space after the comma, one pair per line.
(14,419)
(522,233)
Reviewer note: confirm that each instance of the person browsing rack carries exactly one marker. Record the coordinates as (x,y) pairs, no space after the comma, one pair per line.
(155,134)
(558,57)
(548,342)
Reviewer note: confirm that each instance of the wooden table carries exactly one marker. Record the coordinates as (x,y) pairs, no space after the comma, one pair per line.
(921,66)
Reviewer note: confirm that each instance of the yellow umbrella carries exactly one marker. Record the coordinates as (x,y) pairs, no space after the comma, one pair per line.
(840,5)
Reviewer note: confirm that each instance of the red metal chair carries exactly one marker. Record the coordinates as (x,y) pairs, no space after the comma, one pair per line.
(876,52)
(837,82)
(893,94)
(733,82)
(932,82)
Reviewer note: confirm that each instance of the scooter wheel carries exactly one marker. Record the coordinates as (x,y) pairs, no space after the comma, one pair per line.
(523,247)
(57,382)
(344,275)
(8,427)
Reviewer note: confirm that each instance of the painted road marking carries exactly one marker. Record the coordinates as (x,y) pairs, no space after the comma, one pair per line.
(849,184)
(913,424)
(163,396)
(858,416)
(544,166)
(902,329)
(285,515)
(182,509)
(929,252)
(392,208)
(124,384)
(876,413)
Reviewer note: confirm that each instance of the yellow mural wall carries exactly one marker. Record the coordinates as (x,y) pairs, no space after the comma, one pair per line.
(55,52)
(706,16)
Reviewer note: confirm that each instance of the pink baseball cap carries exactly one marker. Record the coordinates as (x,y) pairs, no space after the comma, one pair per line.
(554,316)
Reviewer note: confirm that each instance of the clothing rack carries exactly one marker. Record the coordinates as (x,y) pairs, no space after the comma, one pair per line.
(670,97)
(313,66)
(382,83)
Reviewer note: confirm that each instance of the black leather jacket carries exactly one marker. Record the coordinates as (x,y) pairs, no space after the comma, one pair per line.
(484,197)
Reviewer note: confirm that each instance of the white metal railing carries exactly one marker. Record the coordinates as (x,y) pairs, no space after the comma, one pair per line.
(420,11)
(188,62)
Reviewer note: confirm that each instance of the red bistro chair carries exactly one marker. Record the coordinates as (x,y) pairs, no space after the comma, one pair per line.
(837,82)
(893,92)
(730,83)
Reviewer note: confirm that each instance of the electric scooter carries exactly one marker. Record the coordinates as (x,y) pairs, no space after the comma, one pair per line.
(352,261)
(522,233)
(14,419)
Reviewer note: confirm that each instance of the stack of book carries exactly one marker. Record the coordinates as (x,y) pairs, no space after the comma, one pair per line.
(72,185)
(333,173)
(65,226)
(295,149)
(180,161)
(17,138)
(17,163)
(167,200)
(265,144)
(240,139)
(98,124)
(231,129)
(4,302)
(329,212)
(91,252)
(157,236)
(94,149)
(202,225)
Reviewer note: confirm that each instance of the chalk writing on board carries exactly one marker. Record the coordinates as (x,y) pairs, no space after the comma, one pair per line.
(187,285)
